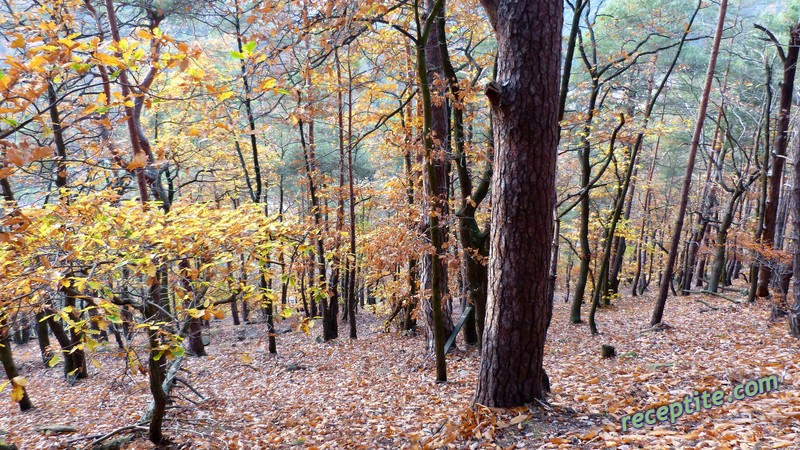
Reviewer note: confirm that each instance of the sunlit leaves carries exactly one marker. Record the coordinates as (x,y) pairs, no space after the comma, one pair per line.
(18,388)
(109,60)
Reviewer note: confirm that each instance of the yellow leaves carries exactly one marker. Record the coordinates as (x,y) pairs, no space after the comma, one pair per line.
(48,26)
(90,344)
(109,60)
(268,84)
(305,325)
(144,34)
(246,358)
(54,360)
(18,42)
(225,95)
(38,61)
(68,41)
(41,49)
(195,313)
(18,388)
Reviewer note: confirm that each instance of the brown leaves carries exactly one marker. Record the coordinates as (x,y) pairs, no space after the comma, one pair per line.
(377,392)
(138,161)
(24,154)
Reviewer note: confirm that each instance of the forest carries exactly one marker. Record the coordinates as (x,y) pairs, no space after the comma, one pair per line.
(386,224)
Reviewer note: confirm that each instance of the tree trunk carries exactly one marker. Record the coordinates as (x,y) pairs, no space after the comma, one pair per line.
(794,310)
(781,142)
(152,310)
(586,251)
(43,336)
(658,311)
(755,266)
(721,243)
(520,301)
(640,252)
(194,335)
(329,324)
(473,240)
(351,256)
(268,311)
(436,140)
(7,359)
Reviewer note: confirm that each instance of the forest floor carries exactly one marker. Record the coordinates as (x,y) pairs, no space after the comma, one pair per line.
(378,392)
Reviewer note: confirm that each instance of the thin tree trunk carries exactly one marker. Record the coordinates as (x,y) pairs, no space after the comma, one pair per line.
(781,143)
(755,266)
(473,240)
(152,310)
(661,301)
(436,175)
(7,359)
(351,256)
(794,309)
(43,337)
(329,323)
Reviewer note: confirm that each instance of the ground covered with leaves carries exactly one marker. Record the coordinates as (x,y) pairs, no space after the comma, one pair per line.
(378,392)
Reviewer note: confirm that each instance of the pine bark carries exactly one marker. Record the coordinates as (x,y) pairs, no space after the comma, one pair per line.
(524,101)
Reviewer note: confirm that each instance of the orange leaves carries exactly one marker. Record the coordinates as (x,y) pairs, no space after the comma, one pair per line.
(15,156)
(144,34)
(38,153)
(138,161)
(18,41)
(23,154)
(109,60)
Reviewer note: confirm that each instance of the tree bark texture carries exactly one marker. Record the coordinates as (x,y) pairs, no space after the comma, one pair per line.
(524,101)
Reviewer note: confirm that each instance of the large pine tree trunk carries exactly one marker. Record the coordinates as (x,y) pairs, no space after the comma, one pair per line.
(525,109)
